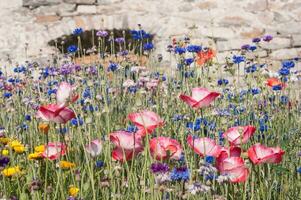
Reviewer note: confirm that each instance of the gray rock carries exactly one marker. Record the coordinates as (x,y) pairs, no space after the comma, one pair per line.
(283,54)
(277,43)
(80,1)
(37,3)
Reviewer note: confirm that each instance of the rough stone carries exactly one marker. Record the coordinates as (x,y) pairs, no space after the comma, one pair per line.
(86,9)
(283,54)
(80,1)
(277,43)
(36,3)
(47,18)
(231,44)
(296,40)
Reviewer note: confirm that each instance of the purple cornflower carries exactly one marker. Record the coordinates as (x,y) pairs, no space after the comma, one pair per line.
(245,47)
(256,40)
(4,161)
(159,168)
(92,70)
(119,40)
(267,38)
(102,33)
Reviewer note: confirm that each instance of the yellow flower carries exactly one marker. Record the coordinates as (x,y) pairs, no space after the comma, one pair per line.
(14,143)
(5,152)
(11,171)
(35,156)
(19,148)
(44,128)
(66,165)
(4,140)
(39,149)
(73,191)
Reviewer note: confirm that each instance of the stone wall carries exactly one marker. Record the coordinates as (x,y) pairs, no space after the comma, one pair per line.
(225,24)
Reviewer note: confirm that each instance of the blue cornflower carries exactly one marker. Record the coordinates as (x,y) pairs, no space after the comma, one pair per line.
(77,31)
(222,82)
(299,170)
(252,48)
(112,67)
(87,93)
(179,50)
(63,130)
(99,164)
(284,99)
(11,80)
(238,59)
(263,128)
(221,137)
(180,174)
(194,48)
(148,46)
(288,64)
(131,128)
(27,117)
(277,87)
(189,125)
(72,48)
(51,91)
(140,34)
(267,38)
(251,69)
(132,89)
(77,121)
(164,78)
(209,159)
(189,61)
(255,91)
(24,126)
(7,95)
(284,71)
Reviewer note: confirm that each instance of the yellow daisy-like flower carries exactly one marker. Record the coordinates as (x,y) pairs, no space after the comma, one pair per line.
(4,140)
(44,128)
(35,156)
(19,148)
(73,191)
(14,143)
(11,171)
(5,152)
(39,149)
(66,165)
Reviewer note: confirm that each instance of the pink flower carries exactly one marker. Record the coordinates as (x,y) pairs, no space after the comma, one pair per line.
(119,154)
(235,168)
(201,97)
(126,145)
(146,121)
(55,113)
(94,147)
(65,93)
(164,147)
(239,134)
(128,83)
(204,146)
(259,153)
(225,153)
(54,150)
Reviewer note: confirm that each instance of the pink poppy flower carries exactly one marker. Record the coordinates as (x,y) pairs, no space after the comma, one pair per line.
(164,147)
(201,97)
(126,140)
(65,93)
(204,146)
(146,121)
(94,147)
(232,151)
(122,155)
(259,153)
(55,113)
(235,168)
(239,134)
(127,145)
(54,150)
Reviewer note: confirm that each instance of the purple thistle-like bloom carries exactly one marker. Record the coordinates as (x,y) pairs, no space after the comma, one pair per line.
(65,69)
(119,40)
(256,40)
(245,47)
(267,38)
(102,33)
(123,53)
(4,161)
(159,168)
(92,70)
